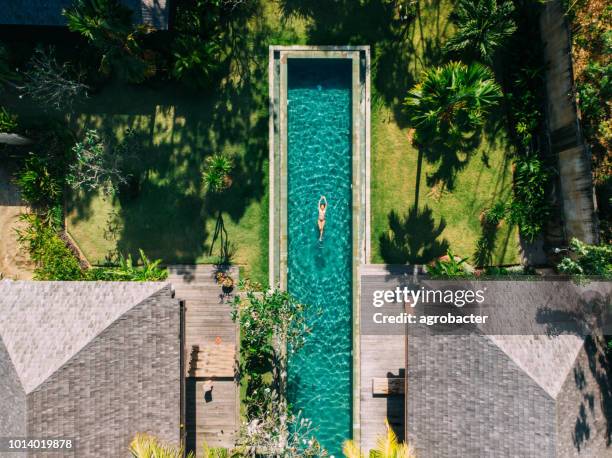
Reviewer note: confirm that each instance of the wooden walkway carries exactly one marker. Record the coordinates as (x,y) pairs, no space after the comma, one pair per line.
(210,335)
(381,356)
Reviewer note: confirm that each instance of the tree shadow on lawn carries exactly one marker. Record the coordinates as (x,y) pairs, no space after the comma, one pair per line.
(164,210)
(414,238)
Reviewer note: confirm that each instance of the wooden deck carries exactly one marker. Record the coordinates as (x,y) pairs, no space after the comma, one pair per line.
(213,418)
(381,356)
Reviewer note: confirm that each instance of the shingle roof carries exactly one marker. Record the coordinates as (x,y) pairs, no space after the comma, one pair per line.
(44,324)
(49,12)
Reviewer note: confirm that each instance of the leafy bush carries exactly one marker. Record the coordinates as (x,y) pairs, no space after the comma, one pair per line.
(216,175)
(128,270)
(594,91)
(8,121)
(587,260)
(448,266)
(482,27)
(39,184)
(52,258)
(529,208)
(269,323)
(494,215)
(107,25)
(526,104)
(196,49)
(95,167)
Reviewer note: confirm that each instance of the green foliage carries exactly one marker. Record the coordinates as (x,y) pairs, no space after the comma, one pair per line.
(526,102)
(53,259)
(587,260)
(494,215)
(147,446)
(452,101)
(107,25)
(39,184)
(216,175)
(128,270)
(482,27)
(8,121)
(197,50)
(94,166)
(448,266)
(529,208)
(270,322)
(594,91)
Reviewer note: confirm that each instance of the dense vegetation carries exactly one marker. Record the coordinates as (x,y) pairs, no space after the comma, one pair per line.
(591,24)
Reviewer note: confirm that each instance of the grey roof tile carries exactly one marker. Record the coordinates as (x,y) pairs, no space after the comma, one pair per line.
(43,324)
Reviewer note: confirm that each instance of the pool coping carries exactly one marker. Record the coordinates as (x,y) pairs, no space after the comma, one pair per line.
(361,141)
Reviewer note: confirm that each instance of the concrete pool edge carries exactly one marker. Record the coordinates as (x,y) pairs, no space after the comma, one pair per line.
(360,147)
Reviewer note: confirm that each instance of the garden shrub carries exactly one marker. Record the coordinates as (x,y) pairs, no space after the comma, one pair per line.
(96,166)
(448,266)
(108,26)
(8,121)
(529,208)
(52,258)
(39,184)
(197,49)
(587,260)
(128,270)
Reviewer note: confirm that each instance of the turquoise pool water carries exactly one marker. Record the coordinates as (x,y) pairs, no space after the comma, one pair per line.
(320,273)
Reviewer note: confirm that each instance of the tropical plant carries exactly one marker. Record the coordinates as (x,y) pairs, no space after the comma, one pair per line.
(482,27)
(8,121)
(494,214)
(448,266)
(107,25)
(273,326)
(38,183)
(387,446)
(195,60)
(128,270)
(95,166)
(147,446)
(216,452)
(50,83)
(52,258)
(529,207)
(216,175)
(587,260)
(196,47)
(451,102)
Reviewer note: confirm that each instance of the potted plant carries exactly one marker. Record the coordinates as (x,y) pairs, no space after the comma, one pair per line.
(227,284)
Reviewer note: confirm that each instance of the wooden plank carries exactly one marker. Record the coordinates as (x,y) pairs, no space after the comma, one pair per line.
(212,419)
(388,386)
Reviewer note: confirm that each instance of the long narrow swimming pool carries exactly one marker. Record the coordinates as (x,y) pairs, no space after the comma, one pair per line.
(319,273)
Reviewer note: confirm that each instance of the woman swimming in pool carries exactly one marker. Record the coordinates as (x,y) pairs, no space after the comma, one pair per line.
(322,209)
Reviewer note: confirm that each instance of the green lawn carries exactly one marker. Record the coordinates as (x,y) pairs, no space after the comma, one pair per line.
(169,215)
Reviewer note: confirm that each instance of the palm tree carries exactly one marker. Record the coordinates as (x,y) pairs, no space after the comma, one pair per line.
(482,27)
(451,102)
(216,175)
(147,446)
(387,446)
